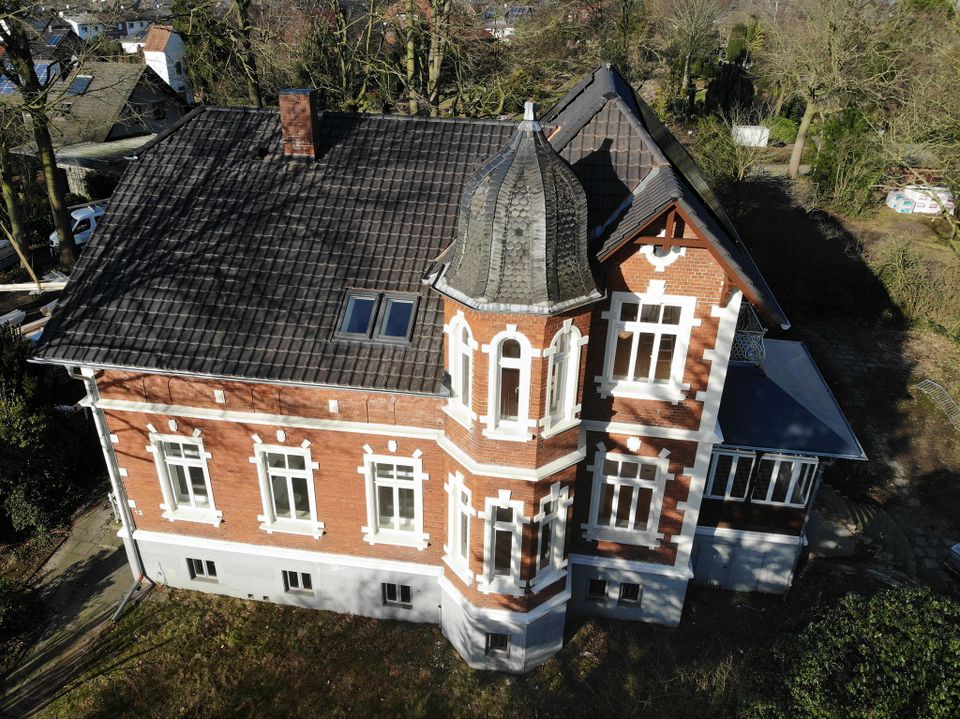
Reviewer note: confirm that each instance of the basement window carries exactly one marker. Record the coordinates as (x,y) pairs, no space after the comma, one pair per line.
(377,316)
(396,595)
(498,643)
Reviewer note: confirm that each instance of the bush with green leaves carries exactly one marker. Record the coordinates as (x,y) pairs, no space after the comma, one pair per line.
(895,655)
(782,129)
(849,168)
(48,459)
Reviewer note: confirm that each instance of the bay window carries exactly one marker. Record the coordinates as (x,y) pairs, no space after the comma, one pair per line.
(729,474)
(647,342)
(287,490)
(784,479)
(459,516)
(551,533)
(563,375)
(394,501)
(501,562)
(626,499)
(509,386)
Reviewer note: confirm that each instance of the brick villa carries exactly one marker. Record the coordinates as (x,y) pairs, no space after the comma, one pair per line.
(470,372)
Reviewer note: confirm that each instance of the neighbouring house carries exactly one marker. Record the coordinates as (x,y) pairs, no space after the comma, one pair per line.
(85,25)
(104,112)
(471,372)
(165,53)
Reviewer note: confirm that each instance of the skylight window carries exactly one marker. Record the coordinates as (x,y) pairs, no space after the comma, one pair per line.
(377,316)
(79,85)
(55,40)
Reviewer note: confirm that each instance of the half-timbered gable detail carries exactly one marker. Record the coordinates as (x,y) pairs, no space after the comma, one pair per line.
(477,373)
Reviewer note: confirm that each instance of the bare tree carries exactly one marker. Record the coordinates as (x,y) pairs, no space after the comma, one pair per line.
(690,26)
(832,54)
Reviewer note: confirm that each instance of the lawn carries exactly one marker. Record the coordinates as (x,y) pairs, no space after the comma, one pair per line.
(183,654)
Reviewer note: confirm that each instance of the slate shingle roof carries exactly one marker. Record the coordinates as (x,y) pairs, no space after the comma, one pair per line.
(220,257)
(604,105)
(522,240)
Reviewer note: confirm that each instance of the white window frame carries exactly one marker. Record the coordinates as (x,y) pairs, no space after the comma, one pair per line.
(674,390)
(457,508)
(650,537)
(372,533)
(269,522)
(491,583)
(455,407)
(556,567)
(738,456)
(567,418)
(518,430)
(173,511)
(399,603)
(288,588)
(204,574)
(799,462)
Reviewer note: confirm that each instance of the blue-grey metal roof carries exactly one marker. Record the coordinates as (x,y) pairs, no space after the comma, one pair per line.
(785,404)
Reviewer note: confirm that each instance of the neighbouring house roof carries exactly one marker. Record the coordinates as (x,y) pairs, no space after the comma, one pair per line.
(157,38)
(635,144)
(92,114)
(221,257)
(522,241)
(784,404)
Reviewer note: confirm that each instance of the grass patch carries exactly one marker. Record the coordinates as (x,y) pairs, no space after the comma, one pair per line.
(200,655)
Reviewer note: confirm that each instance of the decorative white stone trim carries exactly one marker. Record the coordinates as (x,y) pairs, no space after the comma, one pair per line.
(281,436)
(556,568)
(628,565)
(504,617)
(150,428)
(114,439)
(270,523)
(372,533)
(672,391)
(219,397)
(490,582)
(122,471)
(649,537)
(256,438)
(746,537)
(456,489)
(661,263)
(333,406)
(634,444)
(568,413)
(646,430)
(264,419)
(305,443)
(509,430)
(392,445)
(171,510)
(172,424)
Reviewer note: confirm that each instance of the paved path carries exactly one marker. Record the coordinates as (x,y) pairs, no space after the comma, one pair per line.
(82,584)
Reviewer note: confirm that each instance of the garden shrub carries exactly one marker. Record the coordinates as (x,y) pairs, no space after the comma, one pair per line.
(895,655)
(782,129)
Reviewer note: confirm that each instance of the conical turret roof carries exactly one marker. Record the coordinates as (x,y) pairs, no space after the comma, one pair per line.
(522,239)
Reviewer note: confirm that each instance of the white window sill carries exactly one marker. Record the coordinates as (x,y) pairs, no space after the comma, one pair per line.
(547,577)
(458,568)
(620,536)
(415,540)
(500,585)
(562,426)
(508,435)
(724,499)
(459,414)
(193,514)
(305,527)
(641,390)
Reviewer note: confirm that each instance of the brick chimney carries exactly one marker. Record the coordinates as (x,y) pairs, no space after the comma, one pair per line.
(299,124)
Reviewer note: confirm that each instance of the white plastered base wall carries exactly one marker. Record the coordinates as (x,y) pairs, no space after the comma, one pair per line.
(745,561)
(661,600)
(336,587)
(534,637)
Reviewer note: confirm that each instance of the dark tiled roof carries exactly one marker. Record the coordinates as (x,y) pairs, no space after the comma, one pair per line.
(522,239)
(220,257)
(584,106)
(785,404)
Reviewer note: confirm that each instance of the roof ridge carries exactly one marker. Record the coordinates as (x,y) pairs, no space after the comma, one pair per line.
(374,116)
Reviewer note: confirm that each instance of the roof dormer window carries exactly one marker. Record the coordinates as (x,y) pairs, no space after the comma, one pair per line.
(377,316)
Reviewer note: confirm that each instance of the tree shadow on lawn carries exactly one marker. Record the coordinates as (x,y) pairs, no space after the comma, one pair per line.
(842,311)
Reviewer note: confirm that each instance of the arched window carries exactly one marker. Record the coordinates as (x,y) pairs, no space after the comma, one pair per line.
(509,386)
(562,379)
(460,358)
(508,405)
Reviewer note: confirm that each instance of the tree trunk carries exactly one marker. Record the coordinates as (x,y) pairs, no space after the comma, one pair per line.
(247,57)
(797,155)
(13,209)
(685,87)
(414,106)
(438,45)
(56,193)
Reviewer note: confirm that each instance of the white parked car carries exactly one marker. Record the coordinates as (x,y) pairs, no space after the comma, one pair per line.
(85,219)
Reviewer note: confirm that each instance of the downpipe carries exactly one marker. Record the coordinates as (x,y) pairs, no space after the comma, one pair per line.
(113,470)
